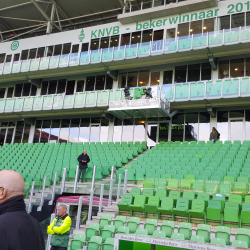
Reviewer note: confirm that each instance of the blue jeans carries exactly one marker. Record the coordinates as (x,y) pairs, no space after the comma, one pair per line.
(58,248)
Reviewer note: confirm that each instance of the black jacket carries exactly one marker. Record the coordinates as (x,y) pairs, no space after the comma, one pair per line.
(18,229)
(81,158)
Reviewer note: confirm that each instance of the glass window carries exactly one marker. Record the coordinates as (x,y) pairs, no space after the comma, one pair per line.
(117,130)
(223,69)
(2,58)
(84,130)
(136,37)
(208,25)
(40,52)
(206,71)
(177,127)
(180,73)
(54,133)
(132,79)
(224,22)
(18,90)
(2,136)
(2,92)
(24,55)
(238,20)
(247,18)
(26,133)
(183,29)
(104,43)
(8,58)
(58,50)
(168,77)
(104,130)
(222,124)
(236,114)
(26,89)
(37,131)
(127,130)
(9,135)
(52,87)
(204,126)
(16,57)
(94,133)
(114,41)
(171,33)
(196,27)
(61,86)
(66,48)
(143,78)
(80,86)
(70,88)
(64,131)
(33,90)
(155,78)
(74,130)
(158,35)
(191,127)
(75,48)
(19,132)
(95,120)
(100,81)
(90,83)
(123,80)
(32,54)
(50,50)
(194,72)
(45,133)
(237,67)
(109,82)
(125,39)
(85,47)
(94,44)
(139,131)
(44,88)
(152,134)
(170,1)
(10,92)
(147,36)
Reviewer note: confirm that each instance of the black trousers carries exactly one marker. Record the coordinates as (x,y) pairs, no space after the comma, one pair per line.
(81,173)
(58,248)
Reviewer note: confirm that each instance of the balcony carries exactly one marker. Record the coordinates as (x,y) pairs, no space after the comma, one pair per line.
(220,43)
(155,9)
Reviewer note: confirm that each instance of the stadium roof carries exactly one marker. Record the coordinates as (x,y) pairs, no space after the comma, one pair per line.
(32,16)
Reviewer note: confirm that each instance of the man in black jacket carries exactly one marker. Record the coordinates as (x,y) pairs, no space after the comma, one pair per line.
(83,164)
(18,229)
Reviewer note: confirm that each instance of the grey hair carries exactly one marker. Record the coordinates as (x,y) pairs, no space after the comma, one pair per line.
(63,206)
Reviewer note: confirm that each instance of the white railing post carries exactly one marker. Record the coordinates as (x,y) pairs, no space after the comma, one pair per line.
(31,196)
(42,197)
(63,180)
(76,179)
(111,186)
(79,211)
(125,182)
(91,195)
(101,198)
(53,189)
(49,236)
(119,186)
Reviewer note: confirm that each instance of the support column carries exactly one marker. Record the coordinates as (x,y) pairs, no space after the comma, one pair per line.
(32,133)
(50,22)
(213,122)
(115,84)
(111,131)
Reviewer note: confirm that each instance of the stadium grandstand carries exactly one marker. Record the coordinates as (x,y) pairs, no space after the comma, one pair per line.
(139,84)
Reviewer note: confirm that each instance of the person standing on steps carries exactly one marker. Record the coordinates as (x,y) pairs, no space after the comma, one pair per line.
(83,160)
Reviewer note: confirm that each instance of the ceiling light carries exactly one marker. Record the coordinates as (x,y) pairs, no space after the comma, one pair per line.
(116,40)
(142,122)
(236,69)
(105,41)
(158,80)
(178,32)
(132,37)
(94,43)
(205,28)
(150,34)
(141,82)
(191,30)
(138,36)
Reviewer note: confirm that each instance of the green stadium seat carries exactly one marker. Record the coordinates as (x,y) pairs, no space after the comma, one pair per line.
(185,229)
(239,243)
(133,224)
(181,210)
(119,221)
(141,231)
(198,238)
(78,242)
(175,195)
(243,234)
(218,241)
(138,206)
(221,198)
(190,196)
(92,230)
(95,242)
(108,244)
(204,230)
(231,213)
(223,233)
(105,220)
(160,234)
(135,191)
(122,230)
(166,208)
(152,206)
(214,215)
(151,225)
(168,227)
(161,193)
(107,232)
(125,203)
(245,214)
(177,236)
(196,214)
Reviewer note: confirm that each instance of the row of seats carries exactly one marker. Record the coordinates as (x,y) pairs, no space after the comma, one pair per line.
(99,233)
(215,211)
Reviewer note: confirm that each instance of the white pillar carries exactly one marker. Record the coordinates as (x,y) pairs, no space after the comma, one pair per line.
(111,131)
(38,92)
(115,84)
(213,122)
(31,135)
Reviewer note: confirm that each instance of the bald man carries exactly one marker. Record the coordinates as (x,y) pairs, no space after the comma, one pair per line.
(18,230)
